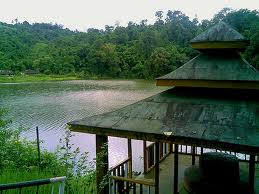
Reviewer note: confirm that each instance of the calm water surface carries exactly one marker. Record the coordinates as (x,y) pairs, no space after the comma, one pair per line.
(50,105)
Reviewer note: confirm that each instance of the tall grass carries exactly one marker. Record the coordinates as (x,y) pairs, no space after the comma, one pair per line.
(19,162)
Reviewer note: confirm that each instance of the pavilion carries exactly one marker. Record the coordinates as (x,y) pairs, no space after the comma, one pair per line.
(213,103)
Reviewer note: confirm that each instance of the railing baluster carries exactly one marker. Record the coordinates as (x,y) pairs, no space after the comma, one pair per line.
(134,188)
(122,171)
(114,172)
(118,171)
(114,186)
(141,189)
(160,150)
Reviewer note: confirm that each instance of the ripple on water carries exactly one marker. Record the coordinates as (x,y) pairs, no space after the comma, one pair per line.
(50,105)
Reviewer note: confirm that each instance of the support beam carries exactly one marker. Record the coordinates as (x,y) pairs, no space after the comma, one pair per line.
(145,156)
(157,168)
(176,168)
(130,156)
(252,170)
(101,163)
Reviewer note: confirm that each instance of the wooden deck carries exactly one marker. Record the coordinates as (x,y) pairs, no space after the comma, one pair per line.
(166,174)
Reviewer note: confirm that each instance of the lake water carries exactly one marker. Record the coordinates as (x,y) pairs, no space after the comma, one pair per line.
(50,105)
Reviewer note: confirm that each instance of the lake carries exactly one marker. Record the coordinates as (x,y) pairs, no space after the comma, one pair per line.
(50,105)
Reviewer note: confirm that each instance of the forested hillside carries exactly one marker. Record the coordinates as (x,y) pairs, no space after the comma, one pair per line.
(135,51)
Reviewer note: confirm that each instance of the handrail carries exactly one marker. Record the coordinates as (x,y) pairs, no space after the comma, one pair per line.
(186,150)
(137,181)
(149,155)
(152,144)
(120,164)
(20,185)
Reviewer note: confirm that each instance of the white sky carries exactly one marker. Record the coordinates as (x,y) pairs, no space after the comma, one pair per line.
(83,14)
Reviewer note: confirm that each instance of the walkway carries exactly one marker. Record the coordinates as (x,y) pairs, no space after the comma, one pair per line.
(167,171)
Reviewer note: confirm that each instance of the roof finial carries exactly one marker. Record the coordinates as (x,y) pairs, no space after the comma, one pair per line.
(219,36)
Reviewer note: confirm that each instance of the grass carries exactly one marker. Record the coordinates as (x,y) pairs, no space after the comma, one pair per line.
(76,185)
(11,176)
(36,78)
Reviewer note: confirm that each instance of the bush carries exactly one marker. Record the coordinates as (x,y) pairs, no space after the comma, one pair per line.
(19,161)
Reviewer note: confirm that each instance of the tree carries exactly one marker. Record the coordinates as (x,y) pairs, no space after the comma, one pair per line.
(158,63)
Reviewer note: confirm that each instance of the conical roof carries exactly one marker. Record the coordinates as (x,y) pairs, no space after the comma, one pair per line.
(220,36)
(215,68)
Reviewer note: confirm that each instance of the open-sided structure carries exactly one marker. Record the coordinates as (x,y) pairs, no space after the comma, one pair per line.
(213,103)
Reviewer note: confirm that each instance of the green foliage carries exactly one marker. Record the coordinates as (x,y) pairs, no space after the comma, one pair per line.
(39,77)
(19,161)
(116,51)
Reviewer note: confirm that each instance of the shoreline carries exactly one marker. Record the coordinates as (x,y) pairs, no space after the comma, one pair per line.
(46,78)
(37,78)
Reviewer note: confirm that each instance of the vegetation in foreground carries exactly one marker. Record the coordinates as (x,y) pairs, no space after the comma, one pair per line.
(139,50)
(19,162)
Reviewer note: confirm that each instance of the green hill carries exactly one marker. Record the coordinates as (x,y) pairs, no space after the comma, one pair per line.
(135,51)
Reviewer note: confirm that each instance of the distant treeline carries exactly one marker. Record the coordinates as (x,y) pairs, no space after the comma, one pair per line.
(135,51)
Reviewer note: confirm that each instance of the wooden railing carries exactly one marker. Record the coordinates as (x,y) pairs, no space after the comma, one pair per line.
(149,155)
(165,149)
(184,149)
(122,185)
(121,181)
(123,169)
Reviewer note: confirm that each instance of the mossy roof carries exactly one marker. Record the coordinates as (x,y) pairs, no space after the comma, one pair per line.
(209,117)
(219,60)
(215,66)
(219,33)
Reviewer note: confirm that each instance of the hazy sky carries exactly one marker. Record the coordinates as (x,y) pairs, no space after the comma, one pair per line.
(83,14)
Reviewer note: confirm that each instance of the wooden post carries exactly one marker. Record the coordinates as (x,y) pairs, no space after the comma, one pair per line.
(252,171)
(157,168)
(101,163)
(176,168)
(193,155)
(38,147)
(161,148)
(171,148)
(145,156)
(130,156)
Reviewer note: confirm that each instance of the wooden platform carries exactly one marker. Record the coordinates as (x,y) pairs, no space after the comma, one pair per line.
(167,171)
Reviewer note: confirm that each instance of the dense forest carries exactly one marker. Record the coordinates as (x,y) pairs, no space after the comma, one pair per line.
(136,51)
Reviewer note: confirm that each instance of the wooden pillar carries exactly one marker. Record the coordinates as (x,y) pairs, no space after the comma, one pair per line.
(157,168)
(145,156)
(252,171)
(193,155)
(130,156)
(101,163)
(176,168)
(171,148)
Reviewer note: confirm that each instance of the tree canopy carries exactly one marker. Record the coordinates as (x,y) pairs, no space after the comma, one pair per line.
(135,51)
